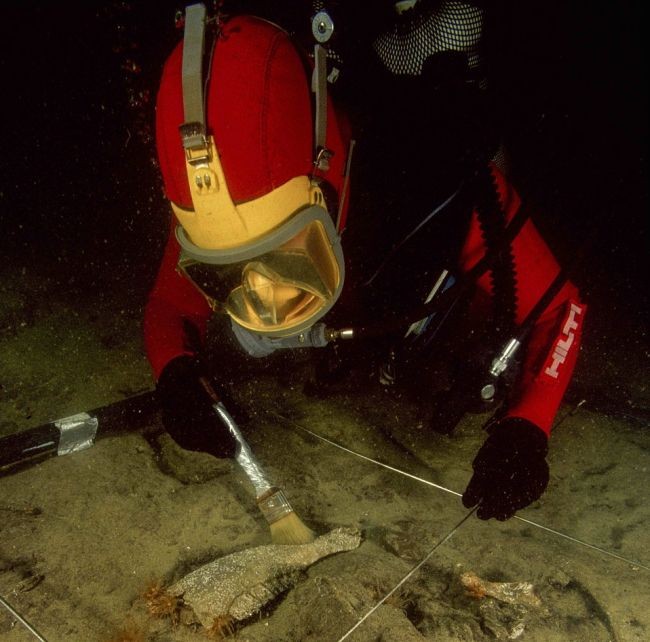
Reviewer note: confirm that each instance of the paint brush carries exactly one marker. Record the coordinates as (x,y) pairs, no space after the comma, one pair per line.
(286,526)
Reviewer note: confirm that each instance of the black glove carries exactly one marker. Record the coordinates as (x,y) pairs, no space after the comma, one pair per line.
(187,412)
(510,471)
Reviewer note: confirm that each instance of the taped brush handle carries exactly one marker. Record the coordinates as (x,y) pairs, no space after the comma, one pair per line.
(244,455)
(286,526)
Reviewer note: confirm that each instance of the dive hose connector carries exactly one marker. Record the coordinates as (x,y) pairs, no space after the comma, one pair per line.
(334,335)
(274,505)
(499,365)
(502,361)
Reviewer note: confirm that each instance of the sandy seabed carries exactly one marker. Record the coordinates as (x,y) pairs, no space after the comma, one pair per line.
(84,535)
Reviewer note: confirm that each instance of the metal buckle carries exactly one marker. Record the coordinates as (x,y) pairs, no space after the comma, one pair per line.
(322,160)
(195,143)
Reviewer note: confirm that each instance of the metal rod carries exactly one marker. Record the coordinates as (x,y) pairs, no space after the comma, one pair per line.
(453,492)
(414,570)
(22,620)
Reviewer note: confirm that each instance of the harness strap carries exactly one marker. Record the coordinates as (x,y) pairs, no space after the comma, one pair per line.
(193,130)
(319,87)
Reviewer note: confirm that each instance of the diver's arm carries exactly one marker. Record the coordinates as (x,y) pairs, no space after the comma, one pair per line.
(173,304)
(549,360)
(510,469)
(174,312)
(551,349)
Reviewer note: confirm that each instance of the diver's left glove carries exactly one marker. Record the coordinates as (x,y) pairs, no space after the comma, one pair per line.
(187,412)
(510,469)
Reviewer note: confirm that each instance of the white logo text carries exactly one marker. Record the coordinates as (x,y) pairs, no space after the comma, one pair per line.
(563,345)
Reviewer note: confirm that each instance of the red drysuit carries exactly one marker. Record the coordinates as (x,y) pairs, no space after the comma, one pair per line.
(259,109)
(553,345)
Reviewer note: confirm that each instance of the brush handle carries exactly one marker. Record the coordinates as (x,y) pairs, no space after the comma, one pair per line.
(244,454)
(270,500)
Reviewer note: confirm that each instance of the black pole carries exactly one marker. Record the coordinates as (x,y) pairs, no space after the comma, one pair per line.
(37,444)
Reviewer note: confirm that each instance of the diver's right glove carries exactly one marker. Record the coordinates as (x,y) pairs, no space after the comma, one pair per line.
(187,412)
(510,469)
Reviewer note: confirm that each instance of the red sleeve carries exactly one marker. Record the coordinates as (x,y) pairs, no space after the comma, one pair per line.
(553,344)
(172,303)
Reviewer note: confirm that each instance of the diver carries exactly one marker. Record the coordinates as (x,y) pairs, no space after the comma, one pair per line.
(261,168)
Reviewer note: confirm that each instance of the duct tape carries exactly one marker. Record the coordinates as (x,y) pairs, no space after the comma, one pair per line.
(244,454)
(77,433)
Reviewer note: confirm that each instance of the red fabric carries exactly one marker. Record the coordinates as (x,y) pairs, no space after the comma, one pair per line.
(259,110)
(541,386)
(173,301)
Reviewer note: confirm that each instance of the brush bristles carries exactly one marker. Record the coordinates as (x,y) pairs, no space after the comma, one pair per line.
(290,529)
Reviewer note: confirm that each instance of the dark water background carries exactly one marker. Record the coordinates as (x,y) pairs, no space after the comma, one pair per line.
(80,196)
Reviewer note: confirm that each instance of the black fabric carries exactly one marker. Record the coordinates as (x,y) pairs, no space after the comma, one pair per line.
(510,470)
(187,412)
(420,138)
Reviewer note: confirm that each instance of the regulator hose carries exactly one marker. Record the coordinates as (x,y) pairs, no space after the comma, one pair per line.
(461,288)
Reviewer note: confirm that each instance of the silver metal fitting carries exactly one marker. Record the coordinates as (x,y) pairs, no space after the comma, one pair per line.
(274,505)
(323,156)
(322,26)
(488,391)
(333,335)
(195,143)
(502,361)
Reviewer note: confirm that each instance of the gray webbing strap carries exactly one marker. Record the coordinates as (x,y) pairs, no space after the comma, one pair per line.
(193,42)
(319,87)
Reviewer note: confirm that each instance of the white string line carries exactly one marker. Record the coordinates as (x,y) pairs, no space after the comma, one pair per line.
(409,574)
(370,459)
(453,492)
(587,544)
(22,620)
